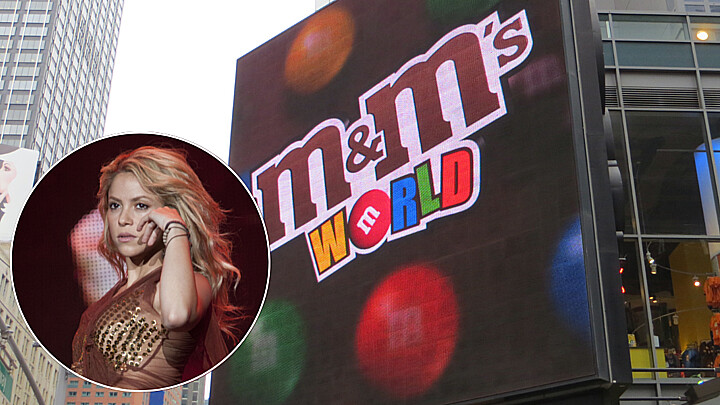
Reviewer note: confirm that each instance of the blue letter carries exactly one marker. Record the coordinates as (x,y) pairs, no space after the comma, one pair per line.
(404,206)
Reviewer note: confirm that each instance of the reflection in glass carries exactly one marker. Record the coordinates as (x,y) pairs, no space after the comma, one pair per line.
(709,25)
(708,55)
(663,145)
(649,27)
(604,26)
(620,156)
(707,196)
(695,8)
(608,54)
(654,54)
(652,5)
(635,314)
(680,314)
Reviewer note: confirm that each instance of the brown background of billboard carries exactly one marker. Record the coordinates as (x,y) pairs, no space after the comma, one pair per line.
(498,253)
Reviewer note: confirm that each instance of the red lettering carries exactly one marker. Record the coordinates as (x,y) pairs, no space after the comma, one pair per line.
(457,177)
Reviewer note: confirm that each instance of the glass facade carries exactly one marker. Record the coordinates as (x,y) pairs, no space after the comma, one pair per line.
(676,6)
(56,60)
(663,82)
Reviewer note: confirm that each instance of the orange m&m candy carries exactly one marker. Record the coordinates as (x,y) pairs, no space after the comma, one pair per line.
(320,50)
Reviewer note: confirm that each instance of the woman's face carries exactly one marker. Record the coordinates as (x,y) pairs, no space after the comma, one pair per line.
(8,172)
(128,202)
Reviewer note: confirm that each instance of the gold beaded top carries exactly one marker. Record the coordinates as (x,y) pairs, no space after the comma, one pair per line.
(124,336)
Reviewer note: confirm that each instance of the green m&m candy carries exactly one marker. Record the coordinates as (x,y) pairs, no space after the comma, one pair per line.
(456,11)
(266,368)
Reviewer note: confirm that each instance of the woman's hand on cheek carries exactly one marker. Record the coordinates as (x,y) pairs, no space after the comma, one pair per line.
(151,233)
(155,223)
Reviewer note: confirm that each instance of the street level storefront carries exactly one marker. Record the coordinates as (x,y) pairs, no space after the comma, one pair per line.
(663,81)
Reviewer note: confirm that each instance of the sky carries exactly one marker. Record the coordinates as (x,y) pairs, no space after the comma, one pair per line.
(175,64)
(174,70)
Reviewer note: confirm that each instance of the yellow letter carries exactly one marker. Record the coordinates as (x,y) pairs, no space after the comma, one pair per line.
(327,240)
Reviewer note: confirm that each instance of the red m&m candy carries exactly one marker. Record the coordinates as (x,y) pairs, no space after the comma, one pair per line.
(407,331)
(369,219)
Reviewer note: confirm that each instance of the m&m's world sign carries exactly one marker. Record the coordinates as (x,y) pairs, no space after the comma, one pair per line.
(407,161)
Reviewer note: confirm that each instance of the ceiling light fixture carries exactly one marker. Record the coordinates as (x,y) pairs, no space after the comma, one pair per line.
(651,261)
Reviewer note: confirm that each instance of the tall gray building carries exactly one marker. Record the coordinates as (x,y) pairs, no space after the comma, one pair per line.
(56,64)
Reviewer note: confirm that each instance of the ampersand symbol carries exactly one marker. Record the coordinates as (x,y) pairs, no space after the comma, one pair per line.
(367,153)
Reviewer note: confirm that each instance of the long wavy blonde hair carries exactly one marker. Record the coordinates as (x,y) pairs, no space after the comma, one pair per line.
(167,174)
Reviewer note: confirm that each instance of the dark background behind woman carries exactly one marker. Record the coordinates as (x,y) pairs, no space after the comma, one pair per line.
(42,262)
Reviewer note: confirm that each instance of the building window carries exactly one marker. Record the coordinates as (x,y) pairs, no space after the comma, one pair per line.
(32,44)
(695,8)
(678,311)
(72,393)
(25,71)
(667,171)
(37,18)
(8,5)
(654,54)
(24,84)
(16,115)
(705,29)
(87,384)
(100,394)
(30,57)
(708,55)
(34,31)
(86,393)
(608,56)
(8,17)
(112,394)
(649,27)
(40,5)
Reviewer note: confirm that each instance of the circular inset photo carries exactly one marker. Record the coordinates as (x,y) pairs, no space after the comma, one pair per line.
(140,262)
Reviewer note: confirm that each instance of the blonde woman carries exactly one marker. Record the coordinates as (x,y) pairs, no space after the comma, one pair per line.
(169,316)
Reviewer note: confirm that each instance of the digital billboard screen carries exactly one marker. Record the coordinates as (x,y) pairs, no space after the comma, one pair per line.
(416,165)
